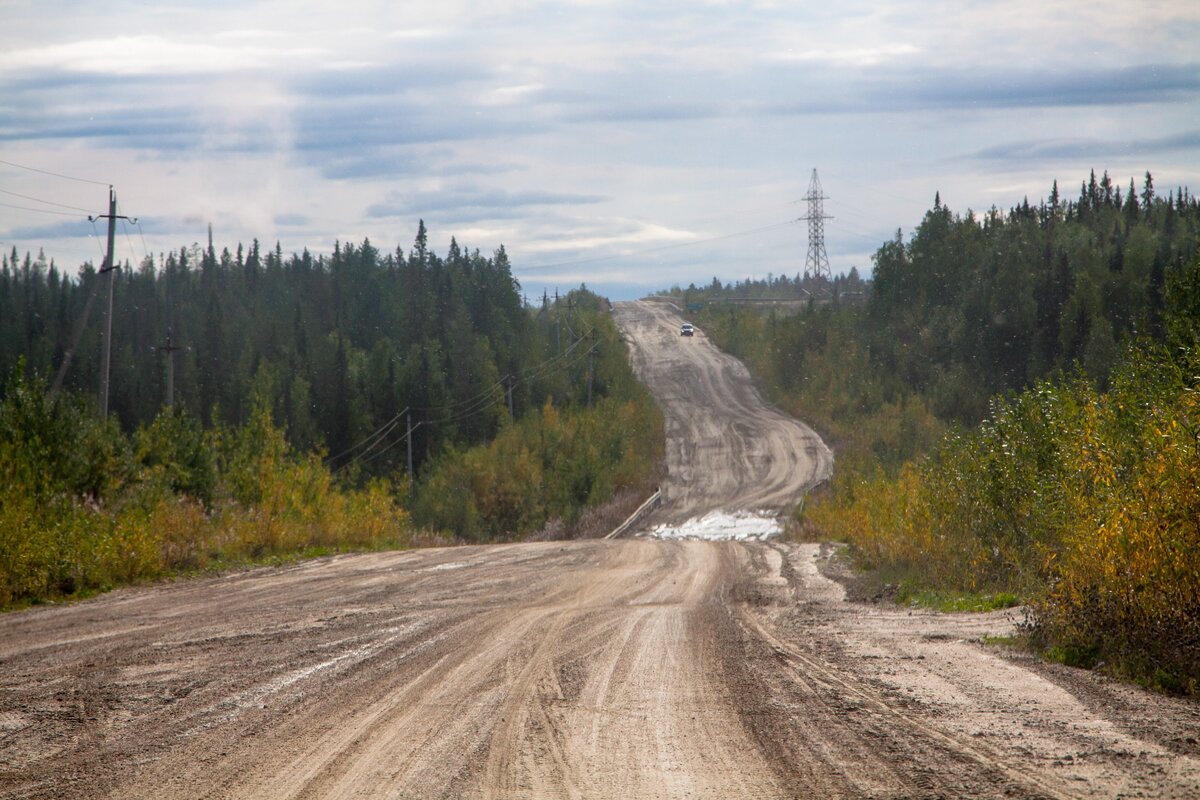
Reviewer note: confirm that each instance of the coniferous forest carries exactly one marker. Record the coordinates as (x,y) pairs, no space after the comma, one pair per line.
(1013,402)
(1012,397)
(338,343)
(299,384)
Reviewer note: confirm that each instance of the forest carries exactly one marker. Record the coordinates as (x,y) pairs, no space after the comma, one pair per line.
(301,385)
(1013,402)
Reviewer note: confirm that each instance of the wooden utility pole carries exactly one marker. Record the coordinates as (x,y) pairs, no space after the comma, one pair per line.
(170,349)
(110,266)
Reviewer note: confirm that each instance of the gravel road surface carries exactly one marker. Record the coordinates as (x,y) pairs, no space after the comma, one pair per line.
(727,449)
(640,667)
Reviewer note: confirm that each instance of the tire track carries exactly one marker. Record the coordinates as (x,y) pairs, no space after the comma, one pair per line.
(727,448)
(819,682)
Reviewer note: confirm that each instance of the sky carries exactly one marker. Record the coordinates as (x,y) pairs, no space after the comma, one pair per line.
(630,146)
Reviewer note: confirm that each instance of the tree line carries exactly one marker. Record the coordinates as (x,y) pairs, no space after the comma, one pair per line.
(1013,408)
(337,343)
(973,305)
(302,385)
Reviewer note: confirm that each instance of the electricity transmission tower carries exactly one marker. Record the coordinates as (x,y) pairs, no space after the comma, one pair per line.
(816,265)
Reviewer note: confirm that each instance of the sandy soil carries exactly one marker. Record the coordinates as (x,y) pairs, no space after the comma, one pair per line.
(638,667)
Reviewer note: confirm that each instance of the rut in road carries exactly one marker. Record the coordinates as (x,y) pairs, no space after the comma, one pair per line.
(553,670)
(602,669)
(727,449)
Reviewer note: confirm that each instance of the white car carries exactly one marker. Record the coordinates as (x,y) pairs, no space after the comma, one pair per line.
(687,330)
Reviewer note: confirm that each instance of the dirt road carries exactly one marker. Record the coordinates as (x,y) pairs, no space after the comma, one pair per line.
(613,669)
(727,449)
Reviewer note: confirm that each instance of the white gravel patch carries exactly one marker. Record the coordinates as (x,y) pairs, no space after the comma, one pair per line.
(716,525)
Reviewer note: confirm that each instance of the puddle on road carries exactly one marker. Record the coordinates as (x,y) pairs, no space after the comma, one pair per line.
(717,525)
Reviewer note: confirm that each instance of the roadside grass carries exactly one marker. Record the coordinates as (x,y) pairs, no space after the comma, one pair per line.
(227,563)
(1010,642)
(85,508)
(1158,679)
(215,563)
(954,602)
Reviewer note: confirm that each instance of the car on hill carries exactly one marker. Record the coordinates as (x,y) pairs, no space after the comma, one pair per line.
(688,329)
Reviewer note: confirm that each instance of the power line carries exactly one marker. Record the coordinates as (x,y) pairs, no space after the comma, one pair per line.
(45,210)
(360,457)
(467,401)
(481,408)
(476,405)
(129,239)
(657,249)
(96,236)
(540,369)
(138,225)
(533,374)
(47,202)
(54,174)
(380,431)
(129,242)
(484,403)
(467,408)
(527,374)
(389,447)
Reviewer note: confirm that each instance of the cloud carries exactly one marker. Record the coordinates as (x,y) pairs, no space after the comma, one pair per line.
(1042,150)
(1034,88)
(491,202)
(405,75)
(583,130)
(157,128)
(850,56)
(50,231)
(924,89)
(292,220)
(356,128)
(150,54)
(164,115)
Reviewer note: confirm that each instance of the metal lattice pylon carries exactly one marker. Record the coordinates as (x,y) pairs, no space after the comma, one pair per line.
(817,262)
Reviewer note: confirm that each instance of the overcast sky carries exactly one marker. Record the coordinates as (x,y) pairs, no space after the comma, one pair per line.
(628,145)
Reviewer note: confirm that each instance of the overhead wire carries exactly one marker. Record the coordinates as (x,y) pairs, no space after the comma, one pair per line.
(96,236)
(382,436)
(464,402)
(484,402)
(538,370)
(138,224)
(467,414)
(54,174)
(46,202)
(498,384)
(377,432)
(43,210)
(389,447)
(125,220)
(473,407)
(656,249)
(129,243)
